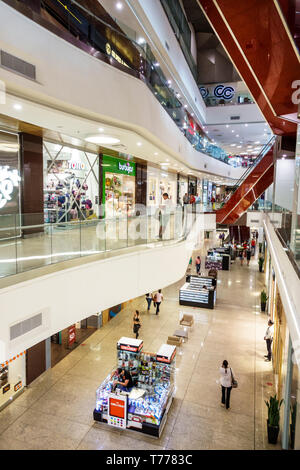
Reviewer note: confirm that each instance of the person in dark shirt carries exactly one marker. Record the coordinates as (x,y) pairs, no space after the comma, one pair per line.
(124,381)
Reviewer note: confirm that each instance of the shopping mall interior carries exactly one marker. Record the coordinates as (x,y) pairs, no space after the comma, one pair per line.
(150,225)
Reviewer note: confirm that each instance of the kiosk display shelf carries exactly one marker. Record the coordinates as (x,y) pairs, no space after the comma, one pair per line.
(145,407)
(213,261)
(194,295)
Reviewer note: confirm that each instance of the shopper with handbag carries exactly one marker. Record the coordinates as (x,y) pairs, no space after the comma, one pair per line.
(228,382)
(136,323)
(149,299)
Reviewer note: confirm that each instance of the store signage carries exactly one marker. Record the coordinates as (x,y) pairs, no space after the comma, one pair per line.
(126,167)
(130,348)
(18,386)
(165,358)
(219,91)
(76,165)
(6,388)
(71,335)
(113,54)
(117,407)
(9,179)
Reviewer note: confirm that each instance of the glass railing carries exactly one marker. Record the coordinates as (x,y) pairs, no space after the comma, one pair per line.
(27,243)
(72,21)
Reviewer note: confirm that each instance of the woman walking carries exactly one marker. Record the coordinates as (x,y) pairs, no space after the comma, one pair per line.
(198,264)
(226,379)
(136,323)
(248,254)
(149,300)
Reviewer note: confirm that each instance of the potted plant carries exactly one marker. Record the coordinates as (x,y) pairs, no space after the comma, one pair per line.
(293,424)
(261,261)
(274,406)
(263,300)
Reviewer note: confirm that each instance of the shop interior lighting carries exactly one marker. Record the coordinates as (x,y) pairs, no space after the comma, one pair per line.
(102,140)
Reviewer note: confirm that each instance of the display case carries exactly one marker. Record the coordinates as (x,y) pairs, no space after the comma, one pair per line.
(213,261)
(145,407)
(199,292)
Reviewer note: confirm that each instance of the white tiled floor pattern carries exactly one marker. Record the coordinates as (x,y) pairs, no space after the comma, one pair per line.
(56,411)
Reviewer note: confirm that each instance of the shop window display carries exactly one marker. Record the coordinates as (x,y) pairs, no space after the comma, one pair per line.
(118,186)
(158,183)
(71,184)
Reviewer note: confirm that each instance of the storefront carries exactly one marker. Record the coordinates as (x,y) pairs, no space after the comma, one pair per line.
(71,184)
(144,406)
(118,186)
(12,378)
(158,183)
(200,188)
(9,185)
(182,187)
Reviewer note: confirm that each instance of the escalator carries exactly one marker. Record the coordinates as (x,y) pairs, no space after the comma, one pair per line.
(250,187)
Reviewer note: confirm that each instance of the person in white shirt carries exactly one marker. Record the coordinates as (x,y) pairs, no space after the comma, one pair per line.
(158,299)
(166,208)
(226,375)
(269,338)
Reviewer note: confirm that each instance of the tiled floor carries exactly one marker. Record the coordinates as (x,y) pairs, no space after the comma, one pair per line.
(56,411)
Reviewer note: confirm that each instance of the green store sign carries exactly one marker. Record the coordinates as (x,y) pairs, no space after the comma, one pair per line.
(114,165)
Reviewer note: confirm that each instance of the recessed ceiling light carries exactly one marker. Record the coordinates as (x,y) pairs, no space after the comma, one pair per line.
(232,145)
(155,153)
(227,125)
(139,144)
(18,107)
(119,5)
(246,125)
(141,41)
(102,139)
(156,64)
(101,129)
(237,135)
(232,130)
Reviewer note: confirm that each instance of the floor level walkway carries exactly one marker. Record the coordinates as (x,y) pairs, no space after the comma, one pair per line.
(56,411)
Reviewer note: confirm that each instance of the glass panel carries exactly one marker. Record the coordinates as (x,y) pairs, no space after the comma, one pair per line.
(8,245)
(66,240)
(34,248)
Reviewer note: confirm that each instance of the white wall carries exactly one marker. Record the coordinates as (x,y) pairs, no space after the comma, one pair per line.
(221,114)
(284,185)
(72,81)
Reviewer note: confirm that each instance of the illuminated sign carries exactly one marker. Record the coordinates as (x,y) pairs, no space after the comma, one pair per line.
(226,92)
(113,54)
(126,167)
(9,179)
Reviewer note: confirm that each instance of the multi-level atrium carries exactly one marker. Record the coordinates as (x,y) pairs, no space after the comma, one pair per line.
(149,227)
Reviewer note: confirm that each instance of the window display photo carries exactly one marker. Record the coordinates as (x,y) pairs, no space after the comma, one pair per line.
(71,184)
(158,183)
(118,186)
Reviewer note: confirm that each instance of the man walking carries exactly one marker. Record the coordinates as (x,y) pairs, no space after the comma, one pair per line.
(269,338)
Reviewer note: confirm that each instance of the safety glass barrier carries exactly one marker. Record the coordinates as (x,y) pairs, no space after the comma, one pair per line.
(113,43)
(27,242)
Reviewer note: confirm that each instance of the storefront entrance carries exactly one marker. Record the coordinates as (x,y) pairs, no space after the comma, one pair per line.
(63,342)
(118,186)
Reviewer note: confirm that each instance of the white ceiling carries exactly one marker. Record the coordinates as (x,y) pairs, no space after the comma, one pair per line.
(240,139)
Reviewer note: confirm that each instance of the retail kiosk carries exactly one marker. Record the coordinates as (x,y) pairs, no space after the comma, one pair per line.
(199,292)
(218,258)
(145,407)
